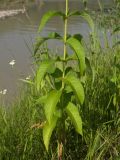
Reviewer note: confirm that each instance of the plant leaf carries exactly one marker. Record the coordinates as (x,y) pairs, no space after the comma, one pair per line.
(41,40)
(75,117)
(54,35)
(44,66)
(41,100)
(47,131)
(85,16)
(51,102)
(76,86)
(48,16)
(75,44)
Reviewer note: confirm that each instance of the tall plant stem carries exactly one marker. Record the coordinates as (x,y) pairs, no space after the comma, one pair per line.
(62,131)
(65,39)
(65,29)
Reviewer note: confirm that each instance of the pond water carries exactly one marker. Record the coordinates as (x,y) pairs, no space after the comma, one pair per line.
(17,35)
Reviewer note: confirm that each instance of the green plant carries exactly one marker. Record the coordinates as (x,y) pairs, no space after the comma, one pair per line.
(61,81)
(56,93)
(102,101)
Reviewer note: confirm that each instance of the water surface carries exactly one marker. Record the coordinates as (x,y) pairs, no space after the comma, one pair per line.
(17,35)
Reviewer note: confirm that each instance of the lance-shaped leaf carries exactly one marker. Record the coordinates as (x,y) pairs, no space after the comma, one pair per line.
(76,45)
(89,20)
(50,105)
(47,131)
(44,66)
(76,86)
(48,16)
(85,16)
(54,35)
(41,40)
(41,100)
(73,113)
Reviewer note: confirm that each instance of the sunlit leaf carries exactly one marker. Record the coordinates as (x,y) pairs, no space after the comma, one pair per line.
(76,45)
(50,104)
(48,16)
(41,100)
(75,117)
(85,16)
(54,35)
(76,86)
(44,66)
(47,131)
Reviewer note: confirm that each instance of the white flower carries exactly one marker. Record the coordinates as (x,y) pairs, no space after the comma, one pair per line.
(12,63)
(3,92)
(28,78)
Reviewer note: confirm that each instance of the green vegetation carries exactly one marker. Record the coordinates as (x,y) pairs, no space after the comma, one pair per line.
(70,110)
